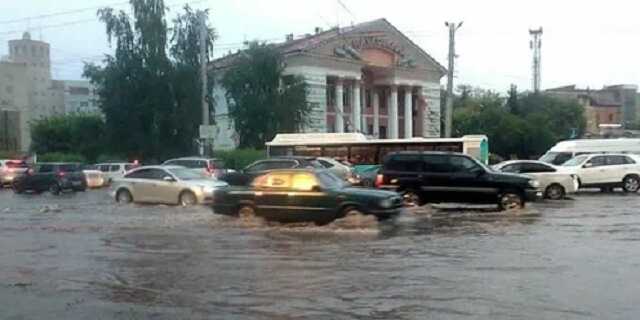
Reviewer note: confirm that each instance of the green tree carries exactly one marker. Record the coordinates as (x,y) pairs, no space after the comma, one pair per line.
(149,90)
(75,133)
(262,101)
(520,125)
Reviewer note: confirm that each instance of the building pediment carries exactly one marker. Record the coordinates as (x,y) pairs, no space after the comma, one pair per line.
(376,43)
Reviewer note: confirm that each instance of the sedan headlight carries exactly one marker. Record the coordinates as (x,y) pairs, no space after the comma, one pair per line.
(534,183)
(385,203)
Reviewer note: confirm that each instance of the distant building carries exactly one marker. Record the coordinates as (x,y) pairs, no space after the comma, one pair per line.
(14,106)
(27,88)
(609,107)
(368,78)
(79,97)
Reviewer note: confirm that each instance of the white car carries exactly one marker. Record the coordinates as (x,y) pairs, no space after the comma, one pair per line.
(605,171)
(95,178)
(553,182)
(339,169)
(166,185)
(112,171)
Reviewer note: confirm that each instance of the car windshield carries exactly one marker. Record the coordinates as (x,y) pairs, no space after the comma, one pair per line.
(187,174)
(329,180)
(575,161)
(556,158)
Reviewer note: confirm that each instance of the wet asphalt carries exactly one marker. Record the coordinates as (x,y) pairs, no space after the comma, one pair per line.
(80,256)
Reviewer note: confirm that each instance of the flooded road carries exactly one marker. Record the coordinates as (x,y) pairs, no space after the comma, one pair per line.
(82,257)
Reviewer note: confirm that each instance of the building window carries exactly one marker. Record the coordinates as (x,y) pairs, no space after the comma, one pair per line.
(611,118)
(383,132)
(370,129)
(346,96)
(331,94)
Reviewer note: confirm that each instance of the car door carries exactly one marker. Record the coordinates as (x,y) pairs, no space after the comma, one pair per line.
(468,181)
(42,178)
(618,166)
(539,171)
(435,183)
(140,183)
(272,195)
(307,198)
(593,172)
(164,191)
(405,171)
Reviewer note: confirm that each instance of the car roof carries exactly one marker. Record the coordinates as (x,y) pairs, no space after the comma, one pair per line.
(292,158)
(508,162)
(158,167)
(443,153)
(114,163)
(58,163)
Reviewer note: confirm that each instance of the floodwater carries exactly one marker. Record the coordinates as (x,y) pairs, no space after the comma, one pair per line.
(83,257)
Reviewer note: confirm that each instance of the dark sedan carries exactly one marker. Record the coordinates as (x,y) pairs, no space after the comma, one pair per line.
(54,177)
(304,195)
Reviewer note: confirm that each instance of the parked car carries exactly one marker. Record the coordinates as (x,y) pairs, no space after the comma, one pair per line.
(95,178)
(9,169)
(605,171)
(304,195)
(210,167)
(245,176)
(165,185)
(54,177)
(434,177)
(366,175)
(341,170)
(555,185)
(115,170)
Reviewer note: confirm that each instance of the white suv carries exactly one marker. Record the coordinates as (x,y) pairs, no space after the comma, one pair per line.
(606,171)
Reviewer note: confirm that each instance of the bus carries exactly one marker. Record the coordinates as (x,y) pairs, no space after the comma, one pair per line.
(357,149)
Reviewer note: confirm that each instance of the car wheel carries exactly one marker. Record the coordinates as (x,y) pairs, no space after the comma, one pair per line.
(554,192)
(631,184)
(124,196)
(54,189)
(411,198)
(351,211)
(246,212)
(187,199)
(510,200)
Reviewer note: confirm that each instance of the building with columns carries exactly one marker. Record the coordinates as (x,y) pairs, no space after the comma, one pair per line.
(368,78)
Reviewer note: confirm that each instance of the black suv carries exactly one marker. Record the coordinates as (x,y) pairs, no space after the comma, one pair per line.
(434,177)
(260,167)
(54,177)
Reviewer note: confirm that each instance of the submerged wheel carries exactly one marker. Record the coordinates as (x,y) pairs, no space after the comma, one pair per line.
(410,198)
(187,199)
(54,189)
(246,212)
(124,196)
(510,200)
(631,183)
(554,192)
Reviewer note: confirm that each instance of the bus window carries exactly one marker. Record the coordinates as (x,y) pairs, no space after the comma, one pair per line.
(335,152)
(308,151)
(363,154)
(276,151)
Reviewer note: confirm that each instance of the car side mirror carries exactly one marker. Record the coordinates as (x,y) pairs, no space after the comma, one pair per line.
(588,165)
(169,179)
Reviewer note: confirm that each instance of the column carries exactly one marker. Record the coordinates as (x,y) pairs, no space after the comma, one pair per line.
(408,112)
(339,107)
(355,108)
(376,112)
(393,113)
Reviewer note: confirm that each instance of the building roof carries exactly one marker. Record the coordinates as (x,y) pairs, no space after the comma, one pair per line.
(313,41)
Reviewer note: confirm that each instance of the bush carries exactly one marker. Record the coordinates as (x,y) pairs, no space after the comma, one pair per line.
(110,158)
(239,158)
(61,157)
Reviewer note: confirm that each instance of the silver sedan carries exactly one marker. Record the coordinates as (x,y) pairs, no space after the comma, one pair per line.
(165,185)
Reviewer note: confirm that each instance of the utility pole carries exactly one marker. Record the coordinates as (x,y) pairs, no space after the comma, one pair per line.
(203,75)
(448,112)
(536,44)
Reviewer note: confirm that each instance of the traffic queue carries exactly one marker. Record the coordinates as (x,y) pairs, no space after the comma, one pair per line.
(322,189)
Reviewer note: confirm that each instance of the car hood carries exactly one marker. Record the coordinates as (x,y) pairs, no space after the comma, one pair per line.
(205,183)
(368,192)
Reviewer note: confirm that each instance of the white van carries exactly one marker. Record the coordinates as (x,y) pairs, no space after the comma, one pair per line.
(565,150)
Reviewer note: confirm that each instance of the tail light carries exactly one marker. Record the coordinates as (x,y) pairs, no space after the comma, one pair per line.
(61,174)
(379,180)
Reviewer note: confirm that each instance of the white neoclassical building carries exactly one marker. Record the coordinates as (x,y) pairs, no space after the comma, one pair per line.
(368,78)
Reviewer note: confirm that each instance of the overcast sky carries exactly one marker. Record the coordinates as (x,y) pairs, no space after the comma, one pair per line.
(588,43)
